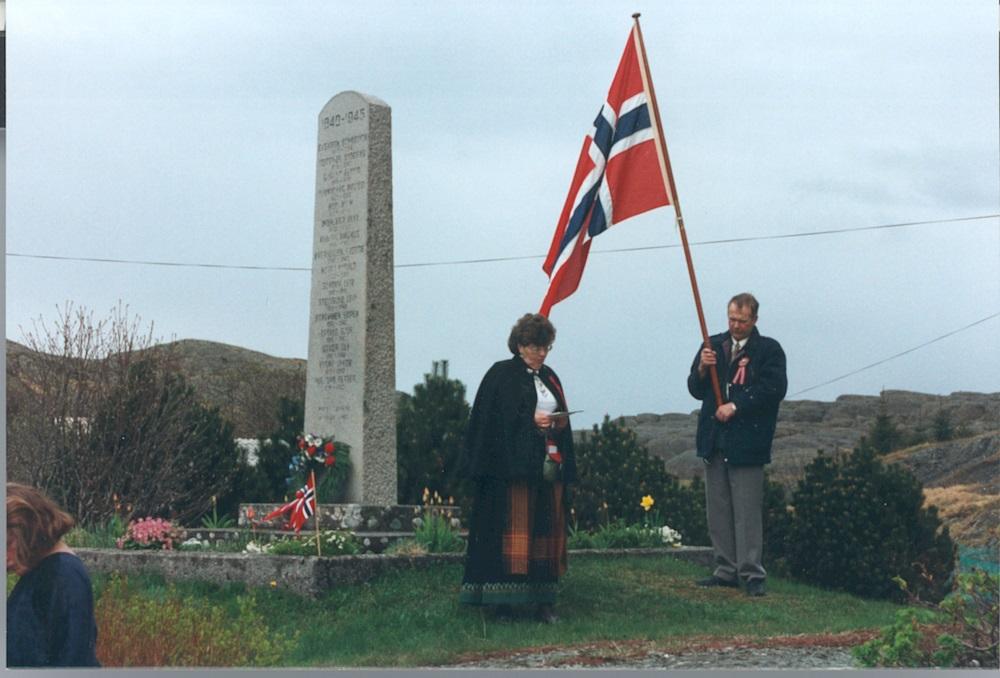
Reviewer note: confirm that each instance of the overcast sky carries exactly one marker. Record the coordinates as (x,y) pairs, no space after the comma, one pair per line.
(186,131)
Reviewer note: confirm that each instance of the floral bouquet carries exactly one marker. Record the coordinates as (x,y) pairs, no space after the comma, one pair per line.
(150,533)
(329,459)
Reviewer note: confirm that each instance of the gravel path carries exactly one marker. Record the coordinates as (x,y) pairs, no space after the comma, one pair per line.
(819,651)
(726,658)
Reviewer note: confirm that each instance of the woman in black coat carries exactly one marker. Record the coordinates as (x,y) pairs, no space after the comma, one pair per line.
(519,452)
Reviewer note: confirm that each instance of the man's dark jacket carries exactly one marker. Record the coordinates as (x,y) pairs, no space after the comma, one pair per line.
(502,440)
(746,438)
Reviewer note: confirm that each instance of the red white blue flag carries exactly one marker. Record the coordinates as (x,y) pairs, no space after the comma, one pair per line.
(301,508)
(617,176)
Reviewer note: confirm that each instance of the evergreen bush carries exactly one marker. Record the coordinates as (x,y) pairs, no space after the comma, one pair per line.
(430,433)
(777,522)
(270,480)
(858,524)
(615,471)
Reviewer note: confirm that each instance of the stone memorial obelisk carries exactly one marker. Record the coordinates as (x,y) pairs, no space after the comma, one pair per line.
(350,376)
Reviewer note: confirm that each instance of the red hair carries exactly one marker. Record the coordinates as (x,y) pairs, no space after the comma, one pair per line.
(35,524)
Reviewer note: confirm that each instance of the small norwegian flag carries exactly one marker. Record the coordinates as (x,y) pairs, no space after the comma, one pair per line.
(302,507)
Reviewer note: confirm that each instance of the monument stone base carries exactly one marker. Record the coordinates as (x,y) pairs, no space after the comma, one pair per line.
(353,517)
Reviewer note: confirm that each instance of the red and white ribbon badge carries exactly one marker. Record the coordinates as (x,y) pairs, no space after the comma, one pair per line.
(741,374)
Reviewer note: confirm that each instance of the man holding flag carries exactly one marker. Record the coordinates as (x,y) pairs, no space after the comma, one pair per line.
(734,440)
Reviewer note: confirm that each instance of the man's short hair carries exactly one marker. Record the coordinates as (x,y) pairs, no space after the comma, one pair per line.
(744,299)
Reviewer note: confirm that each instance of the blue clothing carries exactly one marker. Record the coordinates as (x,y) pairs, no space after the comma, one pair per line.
(50,615)
(757,392)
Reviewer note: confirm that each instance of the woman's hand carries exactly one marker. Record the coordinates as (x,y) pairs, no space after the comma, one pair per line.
(542,421)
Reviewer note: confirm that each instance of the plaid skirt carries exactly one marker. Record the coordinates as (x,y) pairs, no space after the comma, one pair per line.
(517,543)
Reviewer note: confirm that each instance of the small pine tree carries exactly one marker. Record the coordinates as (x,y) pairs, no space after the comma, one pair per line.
(884,436)
(616,471)
(430,433)
(942,426)
(858,524)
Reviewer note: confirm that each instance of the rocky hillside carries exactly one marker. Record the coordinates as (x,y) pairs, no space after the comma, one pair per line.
(962,478)
(245,385)
(806,426)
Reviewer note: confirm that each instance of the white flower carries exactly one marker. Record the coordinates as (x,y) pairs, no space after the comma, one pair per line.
(193,541)
(670,536)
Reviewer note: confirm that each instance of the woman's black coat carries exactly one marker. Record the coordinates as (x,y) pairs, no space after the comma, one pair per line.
(502,440)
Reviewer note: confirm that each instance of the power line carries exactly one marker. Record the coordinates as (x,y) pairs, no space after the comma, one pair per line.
(144,262)
(893,357)
(455,262)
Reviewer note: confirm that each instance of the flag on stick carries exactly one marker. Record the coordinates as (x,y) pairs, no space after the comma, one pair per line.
(618,175)
(301,508)
(623,170)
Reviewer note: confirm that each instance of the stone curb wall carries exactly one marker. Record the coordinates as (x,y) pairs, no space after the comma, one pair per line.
(309,576)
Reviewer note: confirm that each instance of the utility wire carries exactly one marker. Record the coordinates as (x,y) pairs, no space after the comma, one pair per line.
(454,262)
(893,357)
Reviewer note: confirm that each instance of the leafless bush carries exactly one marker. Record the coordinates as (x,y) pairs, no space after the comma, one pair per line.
(99,417)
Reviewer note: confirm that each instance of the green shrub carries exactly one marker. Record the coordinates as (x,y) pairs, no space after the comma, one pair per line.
(777,522)
(859,523)
(962,631)
(436,535)
(275,451)
(430,430)
(103,535)
(903,643)
(614,470)
(617,535)
(335,543)
(174,630)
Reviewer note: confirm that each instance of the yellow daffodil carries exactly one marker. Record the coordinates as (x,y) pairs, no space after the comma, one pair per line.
(647,502)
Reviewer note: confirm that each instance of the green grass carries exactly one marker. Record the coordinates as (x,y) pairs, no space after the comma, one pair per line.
(412,618)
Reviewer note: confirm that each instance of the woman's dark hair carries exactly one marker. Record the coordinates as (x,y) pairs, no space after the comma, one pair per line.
(531,329)
(35,524)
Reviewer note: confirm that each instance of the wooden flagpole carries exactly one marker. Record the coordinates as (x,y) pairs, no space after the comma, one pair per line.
(319,540)
(668,179)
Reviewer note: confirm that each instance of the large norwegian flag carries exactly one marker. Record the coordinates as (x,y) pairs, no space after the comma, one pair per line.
(617,176)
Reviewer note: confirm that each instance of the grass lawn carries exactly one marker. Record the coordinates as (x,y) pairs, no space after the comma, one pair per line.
(412,618)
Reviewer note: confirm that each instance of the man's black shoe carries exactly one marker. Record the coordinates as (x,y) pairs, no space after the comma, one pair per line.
(716,581)
(756,588)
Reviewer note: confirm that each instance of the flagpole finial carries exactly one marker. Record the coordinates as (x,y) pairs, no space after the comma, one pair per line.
(636,15)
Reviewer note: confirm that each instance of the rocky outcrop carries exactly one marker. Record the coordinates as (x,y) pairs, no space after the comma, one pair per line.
(807,426)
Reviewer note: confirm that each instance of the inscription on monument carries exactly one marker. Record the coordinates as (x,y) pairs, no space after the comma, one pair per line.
(339,256)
